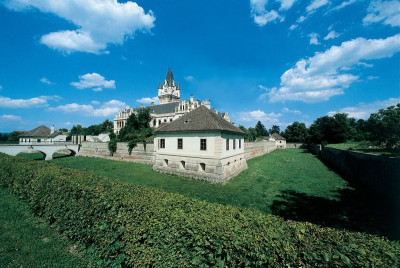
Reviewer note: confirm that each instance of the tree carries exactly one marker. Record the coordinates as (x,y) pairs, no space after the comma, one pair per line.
(14,136)
(384,126)
(330,129)
(251,134)
(274,129)
(77,130)
(137,128)
(296,132)
(63,130)
(260,129)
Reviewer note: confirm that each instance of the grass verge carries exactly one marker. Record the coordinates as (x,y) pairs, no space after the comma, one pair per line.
(26,241)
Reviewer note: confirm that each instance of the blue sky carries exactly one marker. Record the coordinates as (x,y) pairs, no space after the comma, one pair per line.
(78,62)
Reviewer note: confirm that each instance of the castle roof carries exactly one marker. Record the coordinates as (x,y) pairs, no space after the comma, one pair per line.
(170,78)
(200,119)
(165,108)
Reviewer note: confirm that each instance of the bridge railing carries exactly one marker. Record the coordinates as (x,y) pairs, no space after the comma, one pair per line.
(55,143)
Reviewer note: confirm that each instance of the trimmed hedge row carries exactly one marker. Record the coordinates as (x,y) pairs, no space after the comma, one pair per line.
(130,225)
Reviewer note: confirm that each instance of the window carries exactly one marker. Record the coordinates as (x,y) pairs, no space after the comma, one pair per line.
(203,166)
(234,144)
(180,143)
(227,144)
(203,144)
(165,162)
(183,164)
(240,143)
(165,120)
(162,143)
(159,122)
(170,120)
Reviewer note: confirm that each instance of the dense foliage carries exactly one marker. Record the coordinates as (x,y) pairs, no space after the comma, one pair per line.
(296,132)
(131,225)
(13,136)
(384,126)
(106,126)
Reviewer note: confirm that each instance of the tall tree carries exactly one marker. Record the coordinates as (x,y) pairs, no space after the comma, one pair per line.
(384,126)
(274,129)
(296,132)
(260,129)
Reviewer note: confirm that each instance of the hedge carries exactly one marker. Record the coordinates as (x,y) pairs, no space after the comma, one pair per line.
(130,225)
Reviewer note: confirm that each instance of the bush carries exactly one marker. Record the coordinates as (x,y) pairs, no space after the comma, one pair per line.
(131,225)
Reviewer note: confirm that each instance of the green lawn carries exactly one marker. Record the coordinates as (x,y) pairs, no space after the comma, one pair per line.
(25,241)
(39,155)
(291,183)
(365,147)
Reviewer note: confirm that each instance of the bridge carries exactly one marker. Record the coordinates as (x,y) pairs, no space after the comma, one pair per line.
(48,149)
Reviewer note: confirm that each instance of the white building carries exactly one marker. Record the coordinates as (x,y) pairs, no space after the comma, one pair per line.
(280,141)
(200,144)
(43,134)
(171,106)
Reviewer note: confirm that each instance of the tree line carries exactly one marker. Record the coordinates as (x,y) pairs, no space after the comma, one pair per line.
(381,128)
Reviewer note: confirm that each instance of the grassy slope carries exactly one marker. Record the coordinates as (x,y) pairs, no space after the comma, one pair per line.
(257,187)
(27,242)
(366,147)
(291,183)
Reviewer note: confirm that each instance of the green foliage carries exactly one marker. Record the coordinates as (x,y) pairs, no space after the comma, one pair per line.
(274,129)
(251,134)
(112,146)
(26,241)
(14,136)
(131,225)
(106,126)
(331,129)
(296,132)
(260,129)
(384,126)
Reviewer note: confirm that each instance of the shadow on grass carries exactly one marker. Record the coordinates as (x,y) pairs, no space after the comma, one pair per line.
(356,210)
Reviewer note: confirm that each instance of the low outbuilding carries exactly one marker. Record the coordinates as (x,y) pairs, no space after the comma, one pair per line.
(200,144)
(280,141)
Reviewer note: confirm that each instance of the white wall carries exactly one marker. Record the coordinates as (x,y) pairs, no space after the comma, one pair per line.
(191,144)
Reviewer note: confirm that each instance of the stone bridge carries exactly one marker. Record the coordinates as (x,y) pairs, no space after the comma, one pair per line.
(47,149)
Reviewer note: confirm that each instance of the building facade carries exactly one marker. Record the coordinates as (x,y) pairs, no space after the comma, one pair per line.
(43,134)
(171,106)
(280,141)
(200,144)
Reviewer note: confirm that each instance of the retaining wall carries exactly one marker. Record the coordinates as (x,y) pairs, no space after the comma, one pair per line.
(100,149)
(379,173)
(254,149)
(296,146)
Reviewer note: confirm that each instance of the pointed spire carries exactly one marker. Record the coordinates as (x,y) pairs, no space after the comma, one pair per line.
(159,85)
(178,87)
(170,78)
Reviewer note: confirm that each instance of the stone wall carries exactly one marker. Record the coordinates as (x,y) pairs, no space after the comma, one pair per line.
(254,149)
(139,155)
(296,146)
(100,150)
(379,173)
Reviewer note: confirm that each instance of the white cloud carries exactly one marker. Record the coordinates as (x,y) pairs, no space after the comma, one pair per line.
(322,76)
(332,35)
(364,110)
(94,81)
(315,4)
(387,12)
(189,78)
(287,110)
(301,19)
(45,81)
(149,100)
(258,115)
(10,117)
(314,39)
(95,102)
(41,101)
(286,4)
(106,109)
(292,27)
(343,4)
(261,15)
(372,77)
(98,23)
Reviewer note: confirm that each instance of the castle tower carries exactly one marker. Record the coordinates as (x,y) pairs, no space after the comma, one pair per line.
(169,92)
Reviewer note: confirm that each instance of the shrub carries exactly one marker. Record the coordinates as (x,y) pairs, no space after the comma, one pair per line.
(131,225)
(112,146)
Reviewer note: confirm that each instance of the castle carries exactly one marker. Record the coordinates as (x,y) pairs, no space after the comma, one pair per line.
(171,106)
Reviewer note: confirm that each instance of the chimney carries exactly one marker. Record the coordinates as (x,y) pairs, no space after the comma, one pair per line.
(52,129)
(191,97)
(152,104)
